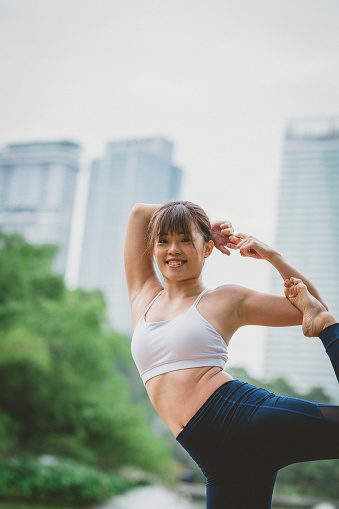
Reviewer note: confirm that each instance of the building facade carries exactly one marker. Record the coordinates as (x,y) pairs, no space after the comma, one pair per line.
(308,237)
(37,189)
(131,171)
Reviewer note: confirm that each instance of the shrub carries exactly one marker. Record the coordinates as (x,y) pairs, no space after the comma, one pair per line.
(58,481)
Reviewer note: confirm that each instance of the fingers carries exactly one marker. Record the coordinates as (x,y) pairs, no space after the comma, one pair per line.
(226,228)
(241,241)
(239,238)
(224,250)
(246,244)
(222,236)
(234,241)
(232,245)
(226,224)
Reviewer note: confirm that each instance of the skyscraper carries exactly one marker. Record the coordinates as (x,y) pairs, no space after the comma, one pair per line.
(308,237)
(37,188)
(131,171)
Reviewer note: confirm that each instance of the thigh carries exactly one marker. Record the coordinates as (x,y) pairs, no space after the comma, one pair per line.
(267,432)
(243,434)
(292,430)
(266,436)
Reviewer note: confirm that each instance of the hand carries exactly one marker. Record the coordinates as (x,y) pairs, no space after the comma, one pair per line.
(250,246)
(220,232)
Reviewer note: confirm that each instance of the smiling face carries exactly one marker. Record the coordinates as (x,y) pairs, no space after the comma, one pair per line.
(179,237)
(181,256)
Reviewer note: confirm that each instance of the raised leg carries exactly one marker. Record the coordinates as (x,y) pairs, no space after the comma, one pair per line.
(317,321)
(330,338)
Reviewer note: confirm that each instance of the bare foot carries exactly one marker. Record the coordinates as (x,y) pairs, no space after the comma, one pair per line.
(315,315)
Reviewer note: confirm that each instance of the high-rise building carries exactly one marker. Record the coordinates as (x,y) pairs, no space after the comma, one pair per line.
(37,188)
(308,237)
(131,171)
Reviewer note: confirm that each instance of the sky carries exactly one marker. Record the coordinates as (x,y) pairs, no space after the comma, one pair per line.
(219,78)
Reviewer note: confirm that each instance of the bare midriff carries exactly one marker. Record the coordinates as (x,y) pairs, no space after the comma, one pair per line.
(178,395)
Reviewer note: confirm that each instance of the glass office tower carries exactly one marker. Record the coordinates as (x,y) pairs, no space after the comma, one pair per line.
(37,189)
(131,171)
(308,237)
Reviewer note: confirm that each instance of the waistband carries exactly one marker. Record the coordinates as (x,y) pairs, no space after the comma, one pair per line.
(210,400)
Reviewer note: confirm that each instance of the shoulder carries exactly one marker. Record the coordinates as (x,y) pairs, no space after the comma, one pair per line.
(229,293)
(226,300)
(221,308)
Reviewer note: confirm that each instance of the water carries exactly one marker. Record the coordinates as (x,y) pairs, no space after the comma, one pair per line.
(152,497)
(146,497)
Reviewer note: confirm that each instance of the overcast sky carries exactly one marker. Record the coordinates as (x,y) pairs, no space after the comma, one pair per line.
(219,78)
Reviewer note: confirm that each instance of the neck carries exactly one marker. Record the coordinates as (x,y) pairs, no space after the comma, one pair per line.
(183,289)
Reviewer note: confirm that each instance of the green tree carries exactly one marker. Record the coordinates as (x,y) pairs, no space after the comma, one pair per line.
(63,389)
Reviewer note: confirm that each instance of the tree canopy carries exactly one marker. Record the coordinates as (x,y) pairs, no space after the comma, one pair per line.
(63,391)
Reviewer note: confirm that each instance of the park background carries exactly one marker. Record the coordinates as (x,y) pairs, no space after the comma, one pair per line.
(220,79)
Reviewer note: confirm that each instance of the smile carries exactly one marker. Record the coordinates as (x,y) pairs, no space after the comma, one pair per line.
(176,263)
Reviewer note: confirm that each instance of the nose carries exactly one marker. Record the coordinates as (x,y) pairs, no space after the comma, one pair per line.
(174,247)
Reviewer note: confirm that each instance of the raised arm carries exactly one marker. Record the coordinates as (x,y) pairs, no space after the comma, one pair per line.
(254,248)
(263,309)
(139,264)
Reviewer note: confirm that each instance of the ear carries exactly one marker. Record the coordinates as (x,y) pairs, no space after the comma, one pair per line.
(208,248)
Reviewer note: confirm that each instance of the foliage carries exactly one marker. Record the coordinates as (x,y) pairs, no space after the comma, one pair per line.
(67,379)
(8,432)
(63,370)
(63,481)
(319,478)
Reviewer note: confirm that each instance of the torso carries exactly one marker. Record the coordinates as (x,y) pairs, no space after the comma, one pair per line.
(177,395)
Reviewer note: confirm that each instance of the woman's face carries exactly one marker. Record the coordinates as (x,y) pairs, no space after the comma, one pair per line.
(181,256)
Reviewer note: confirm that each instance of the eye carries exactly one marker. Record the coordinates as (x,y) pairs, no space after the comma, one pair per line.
(186,239)
(162,241)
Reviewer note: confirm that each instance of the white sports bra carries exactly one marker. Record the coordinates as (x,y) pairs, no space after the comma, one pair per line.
(185,341)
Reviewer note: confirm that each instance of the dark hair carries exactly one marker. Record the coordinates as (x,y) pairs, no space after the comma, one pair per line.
(178,217)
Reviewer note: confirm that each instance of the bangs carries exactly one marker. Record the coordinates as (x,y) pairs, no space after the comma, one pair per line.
(174,220)
(177,217)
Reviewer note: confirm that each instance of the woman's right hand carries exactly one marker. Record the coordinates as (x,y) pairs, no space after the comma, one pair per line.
(250,246)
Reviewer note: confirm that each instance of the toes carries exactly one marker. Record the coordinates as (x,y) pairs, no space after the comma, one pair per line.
(301,286)
(293,285)
(296,281)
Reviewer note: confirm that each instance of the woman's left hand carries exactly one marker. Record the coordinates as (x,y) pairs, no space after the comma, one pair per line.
(220,234)
(250,246)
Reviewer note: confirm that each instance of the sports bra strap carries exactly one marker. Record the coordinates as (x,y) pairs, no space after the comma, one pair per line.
(195,304)
(198,299)
(150,304)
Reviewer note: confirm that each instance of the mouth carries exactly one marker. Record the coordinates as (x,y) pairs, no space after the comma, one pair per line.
(176,263)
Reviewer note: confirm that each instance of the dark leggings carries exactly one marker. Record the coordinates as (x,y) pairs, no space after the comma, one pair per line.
(242,436)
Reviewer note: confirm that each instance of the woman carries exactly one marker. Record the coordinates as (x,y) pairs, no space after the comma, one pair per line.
(238,434)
